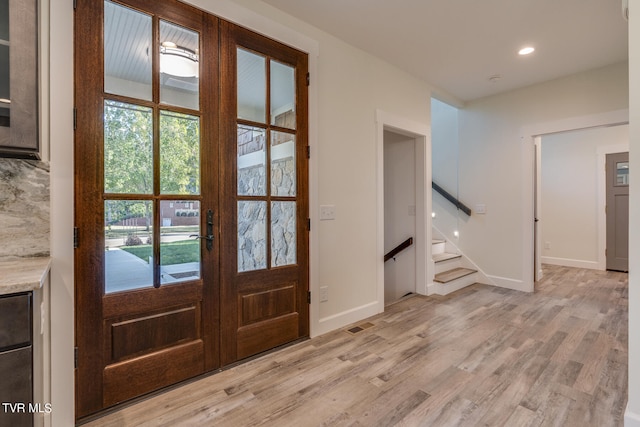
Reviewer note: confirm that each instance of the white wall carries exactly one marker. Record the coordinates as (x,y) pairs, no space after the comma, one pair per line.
(632,415)
(399,214)
(492,153)
(573,194)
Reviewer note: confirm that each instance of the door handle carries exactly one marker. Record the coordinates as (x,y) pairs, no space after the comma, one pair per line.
(197,236)
(209,236)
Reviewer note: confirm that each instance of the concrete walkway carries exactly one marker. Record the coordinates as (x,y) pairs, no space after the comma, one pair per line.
(125,272)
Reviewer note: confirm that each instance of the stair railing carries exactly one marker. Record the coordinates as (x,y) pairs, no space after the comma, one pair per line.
(395,251)
(457,203)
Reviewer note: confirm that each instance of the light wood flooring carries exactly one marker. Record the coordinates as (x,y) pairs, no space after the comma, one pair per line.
(482,356)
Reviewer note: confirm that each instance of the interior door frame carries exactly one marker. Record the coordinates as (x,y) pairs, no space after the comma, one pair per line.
(424,263)
(528,137)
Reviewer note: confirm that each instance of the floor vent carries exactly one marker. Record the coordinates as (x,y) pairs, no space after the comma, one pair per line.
(359,328)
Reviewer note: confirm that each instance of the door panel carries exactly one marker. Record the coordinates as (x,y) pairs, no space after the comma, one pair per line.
(618,212)
(146,161)
(264,172)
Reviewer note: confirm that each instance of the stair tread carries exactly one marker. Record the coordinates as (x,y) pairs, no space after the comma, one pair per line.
(444,256)
(436,241)
(453,274)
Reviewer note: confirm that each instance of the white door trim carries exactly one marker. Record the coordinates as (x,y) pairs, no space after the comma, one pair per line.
(422,135)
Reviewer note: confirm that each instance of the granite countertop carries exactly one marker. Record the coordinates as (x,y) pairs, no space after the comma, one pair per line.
(23,274)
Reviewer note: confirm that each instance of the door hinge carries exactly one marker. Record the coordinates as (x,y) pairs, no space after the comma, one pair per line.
(75,4)
(308,151)
(308,224)
(75,118)
(75,237)
(75,358)
(308,297)
(308,79)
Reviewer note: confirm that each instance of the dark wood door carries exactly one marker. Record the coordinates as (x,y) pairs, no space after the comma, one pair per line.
(264,267)
(146,204)
(618,212)
(190,206)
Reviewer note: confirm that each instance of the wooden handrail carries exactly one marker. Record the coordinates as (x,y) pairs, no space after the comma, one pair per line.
(402,246)
(457,203)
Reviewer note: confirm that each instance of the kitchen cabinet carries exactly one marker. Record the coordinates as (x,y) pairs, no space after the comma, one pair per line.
(16,360)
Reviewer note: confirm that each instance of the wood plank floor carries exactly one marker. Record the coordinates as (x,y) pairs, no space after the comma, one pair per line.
(482,356)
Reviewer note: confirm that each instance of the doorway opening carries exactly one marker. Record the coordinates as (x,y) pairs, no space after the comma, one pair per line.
(399,216)
(538,249)
(411,153)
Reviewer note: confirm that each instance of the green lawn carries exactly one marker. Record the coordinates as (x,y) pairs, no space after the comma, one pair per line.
(170,253)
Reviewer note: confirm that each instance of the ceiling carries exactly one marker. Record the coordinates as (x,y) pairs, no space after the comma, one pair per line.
(457,45)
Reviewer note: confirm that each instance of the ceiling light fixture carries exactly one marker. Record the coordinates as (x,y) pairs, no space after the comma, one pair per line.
(178,61)
(526,50)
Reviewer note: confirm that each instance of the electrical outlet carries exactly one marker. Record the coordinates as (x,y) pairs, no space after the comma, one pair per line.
(324,293)
(327,212)
(547,245)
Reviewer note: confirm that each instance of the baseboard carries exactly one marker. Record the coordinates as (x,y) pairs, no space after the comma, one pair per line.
(566,262)
(340,320)
(516,285)
(631,419)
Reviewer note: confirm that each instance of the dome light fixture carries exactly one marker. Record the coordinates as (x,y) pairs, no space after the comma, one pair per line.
(178,61)
(526,50)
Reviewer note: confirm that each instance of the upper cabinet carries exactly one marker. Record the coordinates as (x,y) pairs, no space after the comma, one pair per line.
(19,79)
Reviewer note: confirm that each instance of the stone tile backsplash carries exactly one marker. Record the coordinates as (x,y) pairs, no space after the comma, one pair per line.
(24,208)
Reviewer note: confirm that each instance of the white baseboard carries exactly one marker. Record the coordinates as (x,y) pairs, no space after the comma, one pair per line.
(566,262)
(516,285)
(340,320)
(631,419)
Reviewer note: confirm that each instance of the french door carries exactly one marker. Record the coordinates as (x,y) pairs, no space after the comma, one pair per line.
(191,197)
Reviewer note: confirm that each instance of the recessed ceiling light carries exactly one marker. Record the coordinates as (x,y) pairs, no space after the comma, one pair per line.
(526,50)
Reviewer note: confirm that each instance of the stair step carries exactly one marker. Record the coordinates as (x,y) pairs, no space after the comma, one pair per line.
(436,241)
(451,275)
(444,256)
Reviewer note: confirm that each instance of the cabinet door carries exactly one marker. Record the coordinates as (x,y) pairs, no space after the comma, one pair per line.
(15,388)
(15,318)
(18,79)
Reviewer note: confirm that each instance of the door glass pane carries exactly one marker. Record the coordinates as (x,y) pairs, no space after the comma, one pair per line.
(283,95)
(252,159)
(283,164)
(179,249)
(252,232)
(179,153)
(128,148)
(252,86)
(179,66)
(127,54)
(283,233)
(128,248)
(622,173)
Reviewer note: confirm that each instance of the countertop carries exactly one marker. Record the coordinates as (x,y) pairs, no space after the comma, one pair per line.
(23,274)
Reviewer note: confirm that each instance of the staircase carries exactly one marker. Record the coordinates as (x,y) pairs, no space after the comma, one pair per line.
(453,271)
